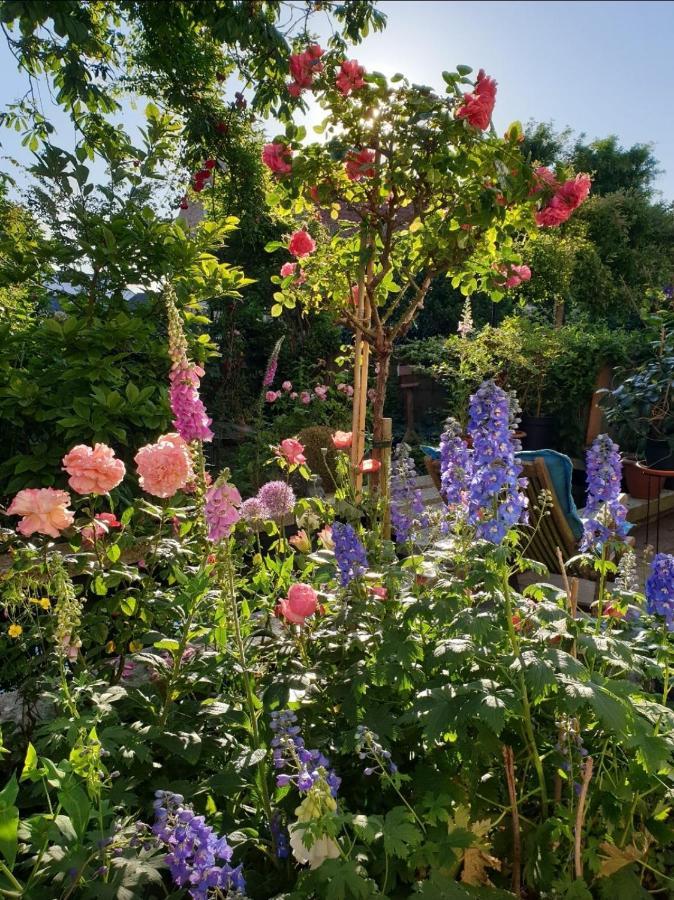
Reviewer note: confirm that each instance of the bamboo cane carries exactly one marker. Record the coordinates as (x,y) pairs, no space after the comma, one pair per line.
(385,477)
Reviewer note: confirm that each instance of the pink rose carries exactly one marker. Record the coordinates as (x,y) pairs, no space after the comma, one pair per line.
(359,164)
(293,395)
(342,439)
(288,269)
(305,397)
(93,471)
(325,537)
(517,275)
(478,106)
(44,510)
(350,77)
(301,244)
(164,467)
(564,202)
(303,67)
(292,451)
(301,602)
(321,391)
(287,386)
(102,524)
(272,396)
(277,157)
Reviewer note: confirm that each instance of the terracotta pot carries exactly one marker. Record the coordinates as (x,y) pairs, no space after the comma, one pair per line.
(640,485)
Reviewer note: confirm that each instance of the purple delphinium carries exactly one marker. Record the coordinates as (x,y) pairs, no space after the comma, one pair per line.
(407,505)
(277,498)
(300,767)
(605,516)
(496,497)
(194,849)
(660,588)
(369,748)
(456,466)
(349,553)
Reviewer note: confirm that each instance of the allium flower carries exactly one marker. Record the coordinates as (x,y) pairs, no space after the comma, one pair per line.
(407,505)
(478,106)
(190,418)
(164,467)
(496,498)
(198,859)
(359,164)
(101,525)
(277,157)
(44,510)
(292,451)
(301,244)
(466,326)
(350,77)
(342,439)
(254,512)
(605,516)
(349,553)
(301,602)
(221,510)
(277,498)
(660,588)
(93,470)
(565,201)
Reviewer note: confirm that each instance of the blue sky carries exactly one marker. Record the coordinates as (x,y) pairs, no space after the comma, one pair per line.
(599,67)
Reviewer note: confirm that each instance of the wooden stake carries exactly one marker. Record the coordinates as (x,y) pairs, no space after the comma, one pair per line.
(385,477)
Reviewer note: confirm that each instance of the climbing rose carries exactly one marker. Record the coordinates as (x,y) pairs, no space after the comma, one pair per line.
(164,467)
(321,391)
(301,244)
(292,451)
(359,164)
(305,397)
(277,158)
(44,510)
(543,178)
(303,67)
(565,201)
(271,396)
(288,269)
(221,510)
(517,275)
(342,439)
(93,471)
(101,525)
(300,603)
(350,77)
(478,106)
(287,386)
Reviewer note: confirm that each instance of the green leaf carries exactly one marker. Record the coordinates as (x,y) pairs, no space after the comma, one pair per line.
(29,763)
(113,552)
(276,310)
(342,880)
(77,805)
(401,834)
(9,820)
(464,70)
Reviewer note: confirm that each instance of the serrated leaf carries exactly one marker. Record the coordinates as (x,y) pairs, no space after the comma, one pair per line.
(400,832)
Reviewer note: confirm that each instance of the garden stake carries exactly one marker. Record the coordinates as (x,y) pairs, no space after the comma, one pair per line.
(509,760)
(580,815)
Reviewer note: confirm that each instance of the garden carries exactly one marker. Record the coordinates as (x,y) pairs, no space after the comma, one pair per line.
(329,460)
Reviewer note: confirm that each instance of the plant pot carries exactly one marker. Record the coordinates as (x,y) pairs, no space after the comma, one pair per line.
(540,432)
(659,454)
(639,485)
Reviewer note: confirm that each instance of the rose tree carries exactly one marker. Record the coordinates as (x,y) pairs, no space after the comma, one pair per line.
(407,186)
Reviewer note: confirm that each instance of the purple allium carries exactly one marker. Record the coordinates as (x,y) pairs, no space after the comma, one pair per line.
(369,748)
(660,588)
(349,553)
(302,767)
(496,497)
(605,516)
(190,418)
(272,364)
(277,498)
(194,849)
(221,510)
(407,505)
(254,512)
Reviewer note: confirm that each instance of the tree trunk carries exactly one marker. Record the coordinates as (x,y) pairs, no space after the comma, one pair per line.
(383,360)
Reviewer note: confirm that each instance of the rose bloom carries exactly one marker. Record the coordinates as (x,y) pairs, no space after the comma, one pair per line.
(303,67)
(301,541)
(288,269)
(93,471)
(272,396)
(321,391)
(518,274)
(305,397)
(369,466)
(359,164)
(565,201)
(44,510)
(287,386)
(277,158)
(350,77)
(478,106)
(301,602)
(292,451)
(164,467)
(301,244)
(102,524)
(293,395)
(325,537)
(342,439)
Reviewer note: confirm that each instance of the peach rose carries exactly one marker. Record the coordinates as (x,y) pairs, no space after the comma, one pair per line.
(342,439)
(93,471)
(164,467)
(44,510)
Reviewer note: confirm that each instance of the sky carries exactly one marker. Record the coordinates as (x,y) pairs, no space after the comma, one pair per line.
(599,67)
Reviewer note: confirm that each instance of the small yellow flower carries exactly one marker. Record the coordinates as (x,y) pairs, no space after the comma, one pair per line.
(14,631)
(110,647)
(45,603)
(135,646)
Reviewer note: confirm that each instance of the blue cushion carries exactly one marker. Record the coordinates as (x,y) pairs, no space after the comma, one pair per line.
(560,468)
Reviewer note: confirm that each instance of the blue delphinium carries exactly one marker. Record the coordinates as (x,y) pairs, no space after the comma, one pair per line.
(369,748)
(349,553)
(297,765)
(407,505)
(496,498)
(660,588)
(605,516)
(456,465)
(194,849)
